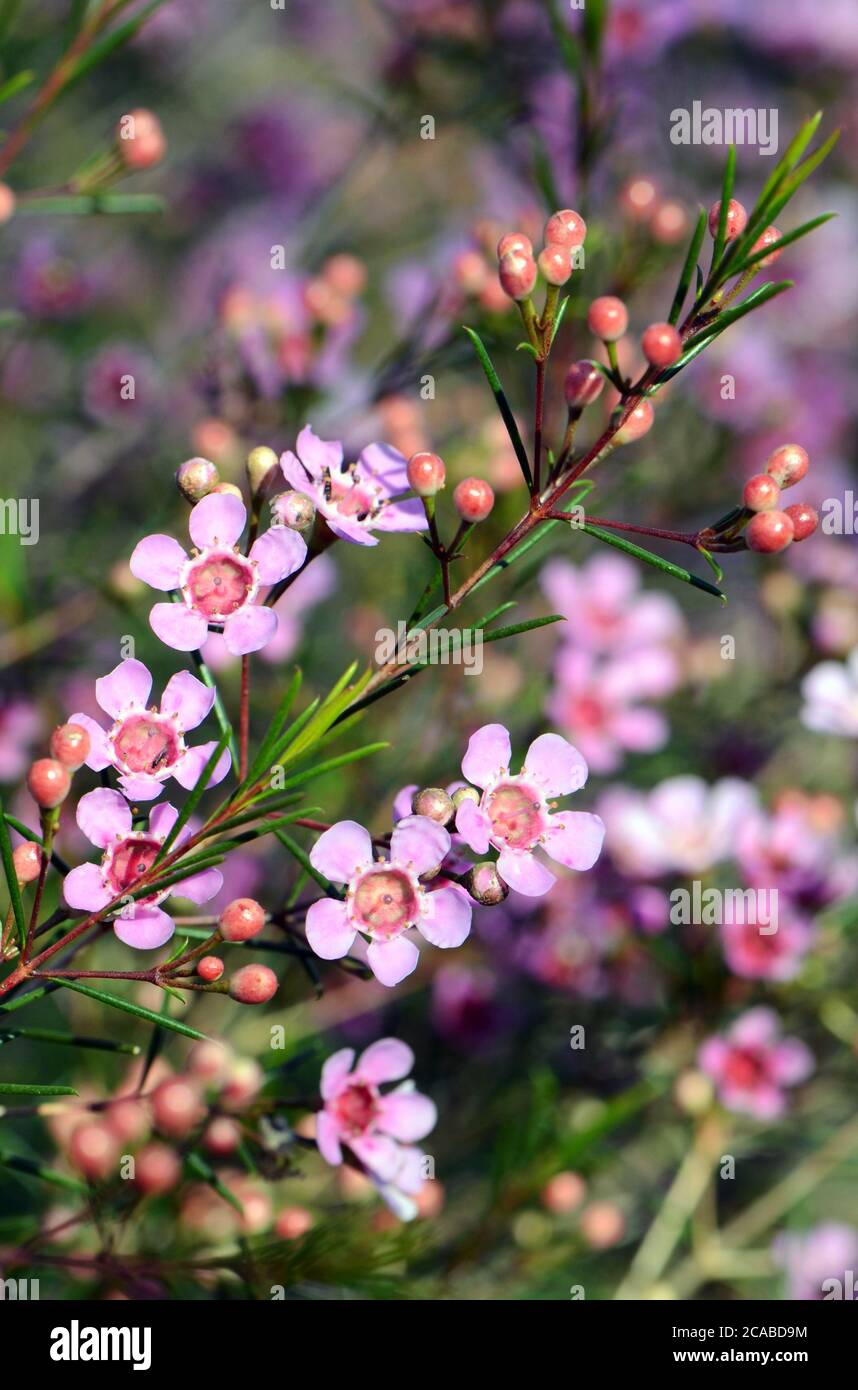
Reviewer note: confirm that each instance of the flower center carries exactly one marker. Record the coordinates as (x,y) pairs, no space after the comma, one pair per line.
(515,813)
(385,902)
(219,583)
(350,498)
(587,713)
(354,1109)
(128,860)
(746,1068)
(147,743)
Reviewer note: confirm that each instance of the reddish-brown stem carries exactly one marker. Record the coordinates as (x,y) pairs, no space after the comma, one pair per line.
(682,537)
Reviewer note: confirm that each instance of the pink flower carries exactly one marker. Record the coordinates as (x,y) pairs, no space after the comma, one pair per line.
(682,826)
(830,693)
(146,746)
(384,898)
(796,848)
(820,1263)
(379,1129)
(603,601)
(218,584)
(597,702)
(752,1064)
(105,819)
(514,814)
(20,725)
(755,952)
(358,498)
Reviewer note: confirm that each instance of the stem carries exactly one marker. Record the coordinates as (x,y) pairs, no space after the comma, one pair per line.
(244,719)
(537,427)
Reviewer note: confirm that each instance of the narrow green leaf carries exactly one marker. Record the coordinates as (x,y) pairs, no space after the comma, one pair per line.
(94,204)
(726,194)
(656,561)
(329,765)
(259,764)
(558,318)
(304,860)
(14,1088)
(17,1164)
(196,795)
(731,316)
(11,877)
(499,633)
(502,404)
(137,1010)
(13,85)
(114,39)
(199,1168)
(51,1035)
(783,241)
(687,273)
(220,713)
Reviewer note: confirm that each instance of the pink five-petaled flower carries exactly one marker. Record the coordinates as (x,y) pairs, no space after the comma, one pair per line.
(751,1064)
(515,815)
(380,1129)
(146,746)
(105,819)
(358,498)
(217,583)
(384,897)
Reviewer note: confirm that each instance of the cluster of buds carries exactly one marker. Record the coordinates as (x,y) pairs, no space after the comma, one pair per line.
(240,921)
(665,219)
(770,527)
(473,498)
(518,268)
(735,224)
(330,297)
(482,881)
(49,783)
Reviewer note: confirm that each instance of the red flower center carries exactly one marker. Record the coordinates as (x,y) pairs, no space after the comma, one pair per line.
(515,814)
(146,743)
(219,583)
(746,1068)
(354,1108)
(129,860)
(385,902)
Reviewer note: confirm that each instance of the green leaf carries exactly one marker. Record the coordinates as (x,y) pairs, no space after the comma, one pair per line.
(199,1168)
(13,85)
(94,204)
(730,316)
(726,194)
(687,273)
(126,1006)
(51,1035)
(502,404)
(17,1164)
(259,764)
(220,713)
(648,558)
(783,241)
(558,318)
(356,754)
(15,1088)
(118,36)
(304,860)
(11,877)
(499,633)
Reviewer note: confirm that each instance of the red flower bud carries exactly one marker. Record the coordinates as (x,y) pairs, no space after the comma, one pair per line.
(515,241)
(787,464)
(176,1107)
(804,520)
(70,745)
(761,493)
(565,228)
(94,1151)
(636,424)
(196,477)
(434,803)
(769,532)
(27,859)
(766,238)
(555,264)
(662,345)
(157,1169)
(49,783)
(241,919)
(253,984)
(517,274)
(140,140)
(473,499)
(292,1223)
(210,968)
(608,318)
(583,384)
(737,219)
(426,473)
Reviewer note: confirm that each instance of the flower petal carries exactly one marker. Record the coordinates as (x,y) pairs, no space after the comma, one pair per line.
(217,520)
(791,1061)
(327,1139)
(328,929)
(318,454)
(178,627)
(379,1153)
(335,1070)
(406,1116)
(388,1059)
(278,553)
(187,699)
(474,826)
(401,516)
(139,786)
(103,815)
(391,961)
(555,764)
(249,629)
(158,561)
(188,770)
(524,873)
(755,1028)
(341,851)
(100,754)
(84,888)
(199,888)
(575,838)
(489,753)
(418,843)
(449,921)
(144,928)
(162,818)
(127,684)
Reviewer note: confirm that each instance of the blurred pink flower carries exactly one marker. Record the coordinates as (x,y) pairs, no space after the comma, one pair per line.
(313,585)
(816,1261)
(20,726)
(754,952)
(120,386)
(682,826)
(605,608)
(597,702)
(830,693)
(751,1065)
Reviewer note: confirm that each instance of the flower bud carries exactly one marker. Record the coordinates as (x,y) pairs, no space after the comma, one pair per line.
(208,1061)
(196,478)
(787,464)
(157,1169)
(662,345)
(517,274)
(472,272)
(70,745)
(241,919)
(7,203)
(292,1223)
(465,794)
(608,318)
(229,490)
(602,1225)
(515,241)
(49,783)
(294,509)
(565,228)
(737,219)
(766,238)
(94,1151)
(210,968)
(27,859)
(485,884)
(345,274)
(222,1136)
(140,140)
(563,1193)
(259,464)
(242,1083)
(176,1107)
(128,1120)
(426,473)
(804,520)
(253,984)
(669,223)
(434,803)
(473,499)
(583,385)
(637,424)
(761,493)
(638,199)
(769,532)
(555,265)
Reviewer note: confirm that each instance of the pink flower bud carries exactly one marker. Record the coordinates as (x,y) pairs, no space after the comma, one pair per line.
(515,241)
(241,919)
(583,385)
(222,1136)
(564,1192)
(292,1223)
(638,199)
(208,1061)
(253,984)
(662,345)
(769,532)
(434,803)
(196,478)
(157,1169)
(128,1121)
(804,520)
(517,274)
(555,264)
(636,425)
(608,318)
(7,203)
(70,746)
(49,783)
(787,464)
(473,499)
(472,271)
(669,223)
(94,1151)
(27,859)
(485,884)
(210,968)
(345,274)
(176,1107)
(761,493)
(426,473)
(602,1225)
(140,140)
(737,219)
(294,509)
(767,238)
(242,1083)
(565,228)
